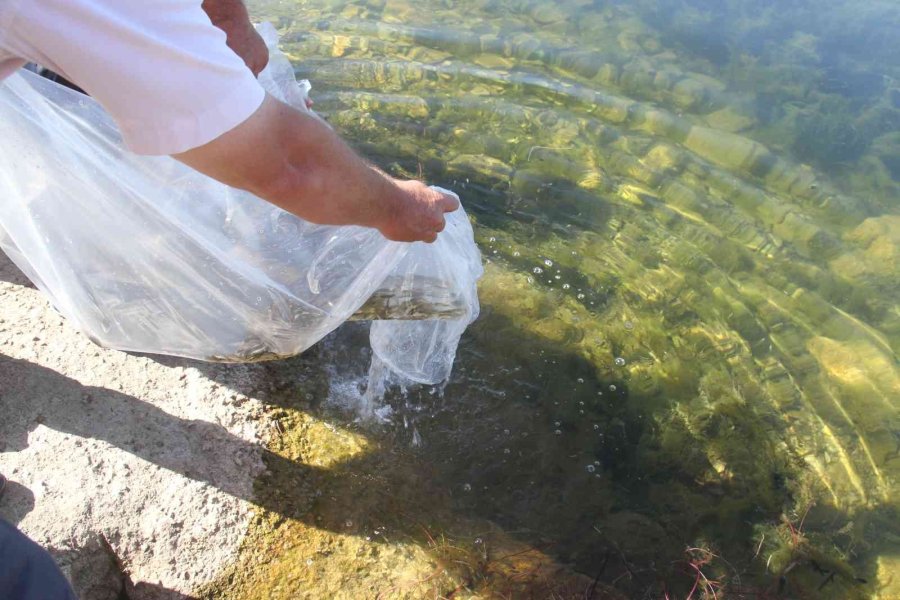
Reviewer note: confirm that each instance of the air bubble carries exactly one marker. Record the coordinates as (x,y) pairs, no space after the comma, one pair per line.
(612,388)
(580,296)
(537,270)
(557,423)
(580,380)
(467,487)
(596,426)
(517,254)
(506,451)
(558,432)
(548,262)
(591,468)
(566,286)
(629,325)
(620,362)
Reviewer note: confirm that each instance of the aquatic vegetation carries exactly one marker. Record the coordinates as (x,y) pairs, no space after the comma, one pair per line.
(829,139)
(807,564)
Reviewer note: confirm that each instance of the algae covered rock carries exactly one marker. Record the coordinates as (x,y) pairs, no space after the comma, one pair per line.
(731,151)
(888,578)
(731,120)
(877,261)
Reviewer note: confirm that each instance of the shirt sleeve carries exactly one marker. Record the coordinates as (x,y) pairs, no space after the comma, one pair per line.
(159,67)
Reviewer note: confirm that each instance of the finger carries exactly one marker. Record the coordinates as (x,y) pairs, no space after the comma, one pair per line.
(440,227)
(448,203)
(429,238)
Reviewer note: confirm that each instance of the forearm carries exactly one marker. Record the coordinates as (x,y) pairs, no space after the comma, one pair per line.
(293,160)
(324,181)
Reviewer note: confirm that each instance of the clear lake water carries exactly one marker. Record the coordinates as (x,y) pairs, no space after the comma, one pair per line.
(685,381)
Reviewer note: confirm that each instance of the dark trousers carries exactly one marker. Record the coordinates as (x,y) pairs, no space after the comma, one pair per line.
(27,571)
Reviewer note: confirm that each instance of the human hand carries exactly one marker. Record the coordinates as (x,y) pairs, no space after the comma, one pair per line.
(417,214)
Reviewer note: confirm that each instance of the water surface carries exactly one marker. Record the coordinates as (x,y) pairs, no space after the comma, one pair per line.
(685,379)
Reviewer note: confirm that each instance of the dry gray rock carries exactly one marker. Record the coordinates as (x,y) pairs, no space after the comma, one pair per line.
(133,470)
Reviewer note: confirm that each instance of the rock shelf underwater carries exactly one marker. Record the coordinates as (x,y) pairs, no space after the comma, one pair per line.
(687,359)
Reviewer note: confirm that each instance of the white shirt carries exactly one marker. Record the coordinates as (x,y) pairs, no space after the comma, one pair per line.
(159,67)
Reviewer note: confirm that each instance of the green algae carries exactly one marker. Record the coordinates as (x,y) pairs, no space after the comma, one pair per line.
(689,336)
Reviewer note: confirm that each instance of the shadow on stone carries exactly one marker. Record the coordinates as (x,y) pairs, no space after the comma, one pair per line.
(33,395)
(16,501)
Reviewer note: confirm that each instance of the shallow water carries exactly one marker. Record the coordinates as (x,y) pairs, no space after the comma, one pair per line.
(685,378)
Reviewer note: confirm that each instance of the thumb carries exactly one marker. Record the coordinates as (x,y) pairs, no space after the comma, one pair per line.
(448,203)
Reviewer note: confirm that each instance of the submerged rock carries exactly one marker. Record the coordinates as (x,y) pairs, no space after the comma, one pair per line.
(877,262)
(888,578)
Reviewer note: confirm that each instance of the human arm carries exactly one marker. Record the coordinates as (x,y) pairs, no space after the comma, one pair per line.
(173,86)
(298,163)
(231,17)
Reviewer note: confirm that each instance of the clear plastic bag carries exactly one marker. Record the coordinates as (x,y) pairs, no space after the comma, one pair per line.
(145,254)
